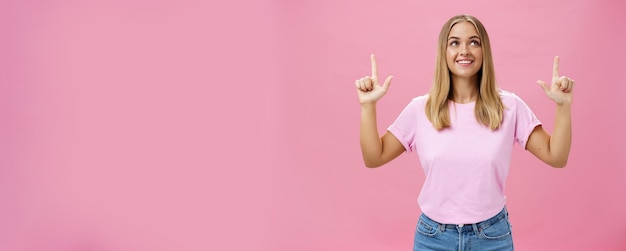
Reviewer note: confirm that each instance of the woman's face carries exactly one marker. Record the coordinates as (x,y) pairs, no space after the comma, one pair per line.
(464,53)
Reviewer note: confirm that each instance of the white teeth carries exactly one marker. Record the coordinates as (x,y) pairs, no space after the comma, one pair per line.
(464,61)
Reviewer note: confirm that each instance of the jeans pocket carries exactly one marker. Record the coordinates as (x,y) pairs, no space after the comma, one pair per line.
(426,228)
(498,230)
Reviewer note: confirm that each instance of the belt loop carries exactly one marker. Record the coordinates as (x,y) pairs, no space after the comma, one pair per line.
(475,227)
(442,227)
(506,213)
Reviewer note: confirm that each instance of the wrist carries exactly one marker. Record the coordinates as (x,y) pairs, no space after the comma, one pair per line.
(369,105)
(564,106)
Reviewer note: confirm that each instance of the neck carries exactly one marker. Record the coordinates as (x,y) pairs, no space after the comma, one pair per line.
(464,90)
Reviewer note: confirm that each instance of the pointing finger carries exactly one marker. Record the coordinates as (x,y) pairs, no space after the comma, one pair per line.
(374,68)
(555,69)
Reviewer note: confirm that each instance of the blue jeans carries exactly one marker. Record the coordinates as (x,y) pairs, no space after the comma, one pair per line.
(492,234)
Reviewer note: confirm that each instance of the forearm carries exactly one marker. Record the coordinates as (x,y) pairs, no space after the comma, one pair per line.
(561,139)
(371,145)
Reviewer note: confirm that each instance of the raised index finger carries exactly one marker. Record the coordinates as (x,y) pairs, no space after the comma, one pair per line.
(374,67)
(555,69)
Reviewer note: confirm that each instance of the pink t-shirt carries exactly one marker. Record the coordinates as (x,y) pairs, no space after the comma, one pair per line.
(466,165)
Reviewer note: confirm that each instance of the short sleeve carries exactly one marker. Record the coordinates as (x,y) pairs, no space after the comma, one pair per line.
(405,125)
(525,122)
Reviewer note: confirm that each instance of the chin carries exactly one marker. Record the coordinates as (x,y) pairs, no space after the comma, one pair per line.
(465,74)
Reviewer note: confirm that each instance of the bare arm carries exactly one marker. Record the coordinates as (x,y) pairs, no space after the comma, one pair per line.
(554,149)
(376,151)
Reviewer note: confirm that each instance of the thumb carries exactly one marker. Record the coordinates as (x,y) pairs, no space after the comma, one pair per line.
(543,85)
(387,82)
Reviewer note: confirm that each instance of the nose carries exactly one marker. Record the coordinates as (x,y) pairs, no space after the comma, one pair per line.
(463,50)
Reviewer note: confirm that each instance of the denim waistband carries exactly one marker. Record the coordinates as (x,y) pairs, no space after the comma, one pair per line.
(472,227)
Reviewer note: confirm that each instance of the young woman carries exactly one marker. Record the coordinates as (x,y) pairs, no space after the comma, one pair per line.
(463,131)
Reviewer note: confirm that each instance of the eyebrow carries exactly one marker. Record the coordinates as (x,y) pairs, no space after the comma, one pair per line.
(472,37)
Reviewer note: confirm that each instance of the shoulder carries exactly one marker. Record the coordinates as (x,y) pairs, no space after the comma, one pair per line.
(417,104)
(419,100)
(508,96)
(512,102)
(510,99)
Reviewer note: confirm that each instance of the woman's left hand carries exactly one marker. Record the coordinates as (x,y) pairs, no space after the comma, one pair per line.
(561,88)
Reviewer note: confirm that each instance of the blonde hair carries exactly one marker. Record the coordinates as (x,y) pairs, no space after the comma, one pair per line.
(489,107)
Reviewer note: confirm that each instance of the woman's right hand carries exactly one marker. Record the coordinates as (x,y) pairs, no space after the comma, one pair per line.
(368,88)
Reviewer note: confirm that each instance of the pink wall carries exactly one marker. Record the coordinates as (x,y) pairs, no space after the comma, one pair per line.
(185,125)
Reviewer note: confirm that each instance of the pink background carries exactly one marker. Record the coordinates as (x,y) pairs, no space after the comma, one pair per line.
(187,125)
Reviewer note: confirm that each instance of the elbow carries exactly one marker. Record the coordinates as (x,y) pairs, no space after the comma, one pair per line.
(556,160)
(559,164)
(372,164)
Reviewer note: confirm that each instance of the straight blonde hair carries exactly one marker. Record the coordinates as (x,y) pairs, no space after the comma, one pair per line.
(489,107)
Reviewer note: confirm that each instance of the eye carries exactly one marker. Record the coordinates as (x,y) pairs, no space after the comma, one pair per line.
(454,43)
(475,42)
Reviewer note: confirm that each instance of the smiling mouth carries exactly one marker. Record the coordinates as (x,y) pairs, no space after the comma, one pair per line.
(464,62)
